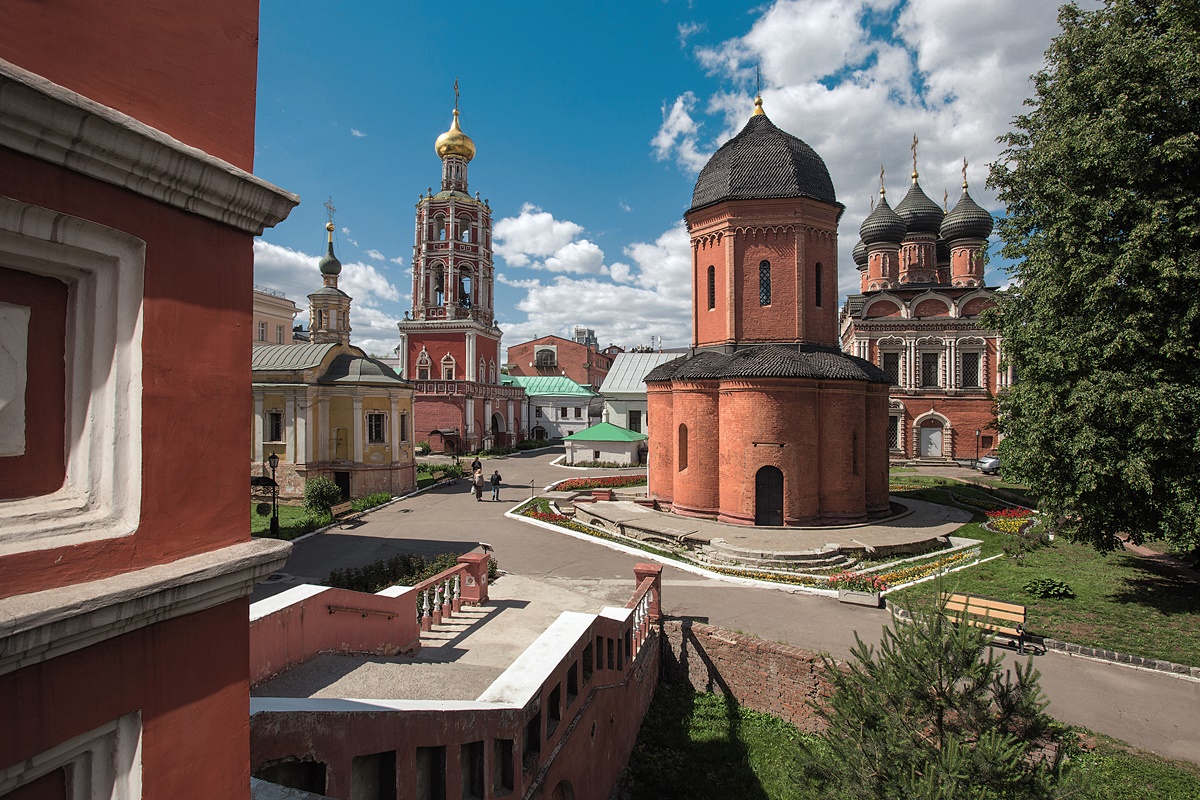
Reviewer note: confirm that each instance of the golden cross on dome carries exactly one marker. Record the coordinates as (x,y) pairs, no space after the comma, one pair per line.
(329,209)
(758,79)
(882,189)
(914,152)
(964,173)
(456,94)
(945,199)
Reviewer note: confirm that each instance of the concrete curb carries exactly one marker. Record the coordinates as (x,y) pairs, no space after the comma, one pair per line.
(363,513)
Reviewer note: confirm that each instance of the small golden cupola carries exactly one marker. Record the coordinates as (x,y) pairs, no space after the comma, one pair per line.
(456,150)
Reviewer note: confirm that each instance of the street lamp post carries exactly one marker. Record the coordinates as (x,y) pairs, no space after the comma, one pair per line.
(273,460)
(977,432)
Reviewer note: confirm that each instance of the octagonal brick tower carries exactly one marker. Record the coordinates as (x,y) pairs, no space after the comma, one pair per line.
(766,421)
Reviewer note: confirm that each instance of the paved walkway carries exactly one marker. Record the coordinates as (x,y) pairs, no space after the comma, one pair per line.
(1147,709)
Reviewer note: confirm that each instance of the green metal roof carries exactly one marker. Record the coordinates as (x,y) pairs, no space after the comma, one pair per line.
(605,432)
(269,357)
(557,385)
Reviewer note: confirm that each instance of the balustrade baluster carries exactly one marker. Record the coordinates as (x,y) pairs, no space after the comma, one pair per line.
(447,609)
(456,605)
(426,617)
(437,604)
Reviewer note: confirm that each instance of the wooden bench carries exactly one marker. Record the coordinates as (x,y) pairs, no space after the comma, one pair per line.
(437,476)
(342,512)
(994,616)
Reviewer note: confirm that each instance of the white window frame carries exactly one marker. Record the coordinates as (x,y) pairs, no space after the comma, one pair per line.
(103,764)
(262,331)
(104,270)
(403,426)
(271,415)
(383,427)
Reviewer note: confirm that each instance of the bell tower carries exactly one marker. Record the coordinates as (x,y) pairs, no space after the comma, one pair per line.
(329,306)
(453,277)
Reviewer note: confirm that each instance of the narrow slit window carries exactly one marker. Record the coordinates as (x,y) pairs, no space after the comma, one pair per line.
(712,288)
(817,284)
(764,283)
(683,447)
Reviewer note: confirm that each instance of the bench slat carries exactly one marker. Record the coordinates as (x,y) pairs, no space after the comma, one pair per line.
(341,508)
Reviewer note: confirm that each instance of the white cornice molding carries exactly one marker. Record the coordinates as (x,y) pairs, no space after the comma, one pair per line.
(39,626)
(50,122)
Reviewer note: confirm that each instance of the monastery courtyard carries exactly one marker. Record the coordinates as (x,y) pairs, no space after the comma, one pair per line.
(545,572)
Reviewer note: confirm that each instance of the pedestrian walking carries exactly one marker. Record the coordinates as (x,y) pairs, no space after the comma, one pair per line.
(477,480)
(476,466)
(496,484)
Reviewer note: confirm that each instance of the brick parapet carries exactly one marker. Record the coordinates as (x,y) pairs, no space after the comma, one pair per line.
(773,678)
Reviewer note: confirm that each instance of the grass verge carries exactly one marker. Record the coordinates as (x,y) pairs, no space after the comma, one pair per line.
(704,746)
(1122,602)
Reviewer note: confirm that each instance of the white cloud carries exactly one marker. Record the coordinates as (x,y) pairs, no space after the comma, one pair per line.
(373,316)
(374,255)
(652,298)
(576,258)
(687,30)
(954,72)
(356,133)
(621,204)
(679,133)
(346,233)
(533,233)
(397,260)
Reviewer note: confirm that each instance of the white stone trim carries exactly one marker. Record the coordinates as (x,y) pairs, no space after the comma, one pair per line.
(50,122)
(39,626)
(103,269)
(102,764)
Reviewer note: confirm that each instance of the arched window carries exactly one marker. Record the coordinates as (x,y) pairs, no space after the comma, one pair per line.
(817,284)
(546,357)
(464,229)
(423,364)
(683,454)
(448,367)
(441,226)
(764,283)
(320,320)
(712,288)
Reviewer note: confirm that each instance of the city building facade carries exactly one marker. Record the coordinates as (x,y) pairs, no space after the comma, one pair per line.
(917,317)
(450,344)
(126,266)
(624,388)
(556,406)
(581,361)
(324,408)
(766,421)
(274,317)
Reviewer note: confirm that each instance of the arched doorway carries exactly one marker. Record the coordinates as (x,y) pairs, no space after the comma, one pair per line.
(931,438)
(564,791)
(538,433)
(498,429)
(768,496)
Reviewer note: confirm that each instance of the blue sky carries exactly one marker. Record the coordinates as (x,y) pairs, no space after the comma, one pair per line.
(591,122)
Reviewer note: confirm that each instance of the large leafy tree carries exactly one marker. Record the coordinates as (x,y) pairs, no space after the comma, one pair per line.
(1101,180)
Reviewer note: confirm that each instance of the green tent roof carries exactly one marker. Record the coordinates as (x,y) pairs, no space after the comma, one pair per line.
(605,432)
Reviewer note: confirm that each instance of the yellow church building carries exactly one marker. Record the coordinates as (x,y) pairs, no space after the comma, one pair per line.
(326,408)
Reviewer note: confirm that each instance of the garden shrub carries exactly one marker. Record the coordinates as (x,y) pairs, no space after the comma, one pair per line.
(371,500)
(1026,541)
(321,494)
(1049,588)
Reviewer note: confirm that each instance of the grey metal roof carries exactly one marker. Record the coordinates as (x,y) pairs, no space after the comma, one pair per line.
(628,372)
(760,162)
(920,214)
(967,220)
(288,356)
(771,361)
(882,224)
(349,368)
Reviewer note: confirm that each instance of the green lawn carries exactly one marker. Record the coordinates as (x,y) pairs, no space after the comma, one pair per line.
(293,521)
(702,746)
(1122,602)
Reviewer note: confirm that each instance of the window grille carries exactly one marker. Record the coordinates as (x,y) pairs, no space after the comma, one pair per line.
(712,288)
(764,283)
(376,428)
(970,371)
(635,420)
(930,367)
(274,426)
(893,433)
(891,367)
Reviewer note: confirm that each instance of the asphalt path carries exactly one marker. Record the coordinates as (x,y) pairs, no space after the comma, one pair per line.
(1146,709)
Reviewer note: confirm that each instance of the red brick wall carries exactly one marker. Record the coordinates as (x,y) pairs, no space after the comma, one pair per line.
(188,69)
(764,676)
(573,359)
(660,457)
(697,488)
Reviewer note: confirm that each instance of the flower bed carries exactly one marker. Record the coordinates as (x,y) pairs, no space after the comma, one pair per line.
(857,582)
(610,482)
(1010,520)
(894,578)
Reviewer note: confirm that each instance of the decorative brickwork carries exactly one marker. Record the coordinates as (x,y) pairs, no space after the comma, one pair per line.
(764,676)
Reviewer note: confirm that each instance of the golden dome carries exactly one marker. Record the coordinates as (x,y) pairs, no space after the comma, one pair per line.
(454,142)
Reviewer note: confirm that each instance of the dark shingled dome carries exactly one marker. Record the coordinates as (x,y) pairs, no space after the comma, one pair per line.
(329,264)
(860,253)
(943,251)
(966,220)
(761,162)
(770,361)
(882,225)
(920,214)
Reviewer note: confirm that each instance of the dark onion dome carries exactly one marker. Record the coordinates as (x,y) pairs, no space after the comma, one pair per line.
(919,213)
(770,361)
(860,253)
(763,162)
(882,224)
(967,220)
(943,251)
(329,265)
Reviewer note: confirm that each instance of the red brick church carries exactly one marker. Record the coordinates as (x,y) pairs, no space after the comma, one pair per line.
(766,421)
(917,316)
(450,346)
